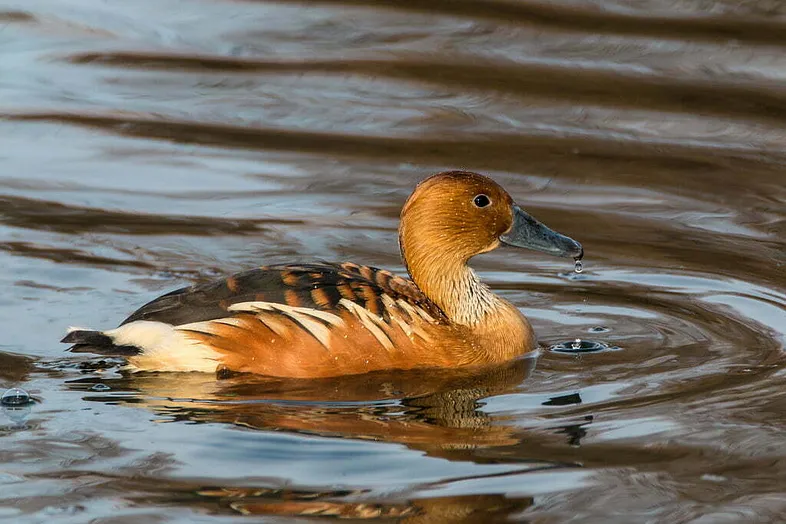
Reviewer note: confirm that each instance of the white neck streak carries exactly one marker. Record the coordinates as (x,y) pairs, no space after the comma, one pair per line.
(457,290)
(469,299)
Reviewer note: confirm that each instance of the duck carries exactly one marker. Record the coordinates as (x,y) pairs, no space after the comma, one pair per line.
(321,320)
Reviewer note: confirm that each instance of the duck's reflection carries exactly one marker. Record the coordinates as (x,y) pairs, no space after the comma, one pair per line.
(471,508)
(431,410)
(14,369)
(437,412)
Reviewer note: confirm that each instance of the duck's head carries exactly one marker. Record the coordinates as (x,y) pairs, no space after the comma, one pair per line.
(455,215)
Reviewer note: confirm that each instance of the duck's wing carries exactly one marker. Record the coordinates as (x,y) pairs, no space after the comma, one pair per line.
(319,286)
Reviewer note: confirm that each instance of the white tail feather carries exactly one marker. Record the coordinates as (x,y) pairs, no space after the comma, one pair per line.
(164,348)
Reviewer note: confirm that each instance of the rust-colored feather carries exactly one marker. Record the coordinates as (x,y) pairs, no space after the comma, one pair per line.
(290,278)
(321,297)
(291,298)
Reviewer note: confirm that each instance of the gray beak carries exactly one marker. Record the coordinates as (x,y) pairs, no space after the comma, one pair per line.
(529,233)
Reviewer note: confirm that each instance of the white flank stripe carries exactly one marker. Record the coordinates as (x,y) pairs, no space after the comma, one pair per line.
(274,325)
(307,317)
(207,327)
(414,310)
(403,304)
(228,321)
(255,307)
(316,329)
(369,321)
(403,325)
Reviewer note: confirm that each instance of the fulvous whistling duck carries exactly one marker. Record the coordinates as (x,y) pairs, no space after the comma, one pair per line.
(322,320)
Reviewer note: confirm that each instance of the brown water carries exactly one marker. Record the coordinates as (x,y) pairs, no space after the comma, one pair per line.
(149,144)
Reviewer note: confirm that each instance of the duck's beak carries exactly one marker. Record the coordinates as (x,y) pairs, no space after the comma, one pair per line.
(529,233)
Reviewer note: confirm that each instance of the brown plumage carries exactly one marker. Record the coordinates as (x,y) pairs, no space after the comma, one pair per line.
(319,320)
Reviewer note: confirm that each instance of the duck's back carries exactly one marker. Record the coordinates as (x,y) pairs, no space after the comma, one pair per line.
(320,286)
(291,320)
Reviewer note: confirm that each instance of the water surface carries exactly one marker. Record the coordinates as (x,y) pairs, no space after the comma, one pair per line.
(151,144)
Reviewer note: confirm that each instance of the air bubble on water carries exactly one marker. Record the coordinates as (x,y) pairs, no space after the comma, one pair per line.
(599,329)
(16,406)
(15,397)
(100,387)
(582,346)
(578,267)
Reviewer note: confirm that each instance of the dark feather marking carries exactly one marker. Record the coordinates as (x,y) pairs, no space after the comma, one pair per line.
(87,341)
(333,294)
(86,336)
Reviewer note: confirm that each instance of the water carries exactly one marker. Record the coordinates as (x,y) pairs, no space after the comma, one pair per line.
(148,145)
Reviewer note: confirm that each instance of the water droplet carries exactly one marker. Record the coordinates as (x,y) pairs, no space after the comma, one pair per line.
(15,397)
(578,267)
(100,387)
(581,346)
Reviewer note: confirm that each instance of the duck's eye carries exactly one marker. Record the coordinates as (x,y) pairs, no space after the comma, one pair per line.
(481,201)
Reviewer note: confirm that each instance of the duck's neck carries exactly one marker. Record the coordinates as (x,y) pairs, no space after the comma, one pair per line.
(451,284)
(498,330)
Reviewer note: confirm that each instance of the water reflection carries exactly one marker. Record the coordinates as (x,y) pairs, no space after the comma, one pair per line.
(436,411)
(440,413)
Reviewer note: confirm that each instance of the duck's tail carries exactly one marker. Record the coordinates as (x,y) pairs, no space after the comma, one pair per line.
(148,346)
(91,341)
